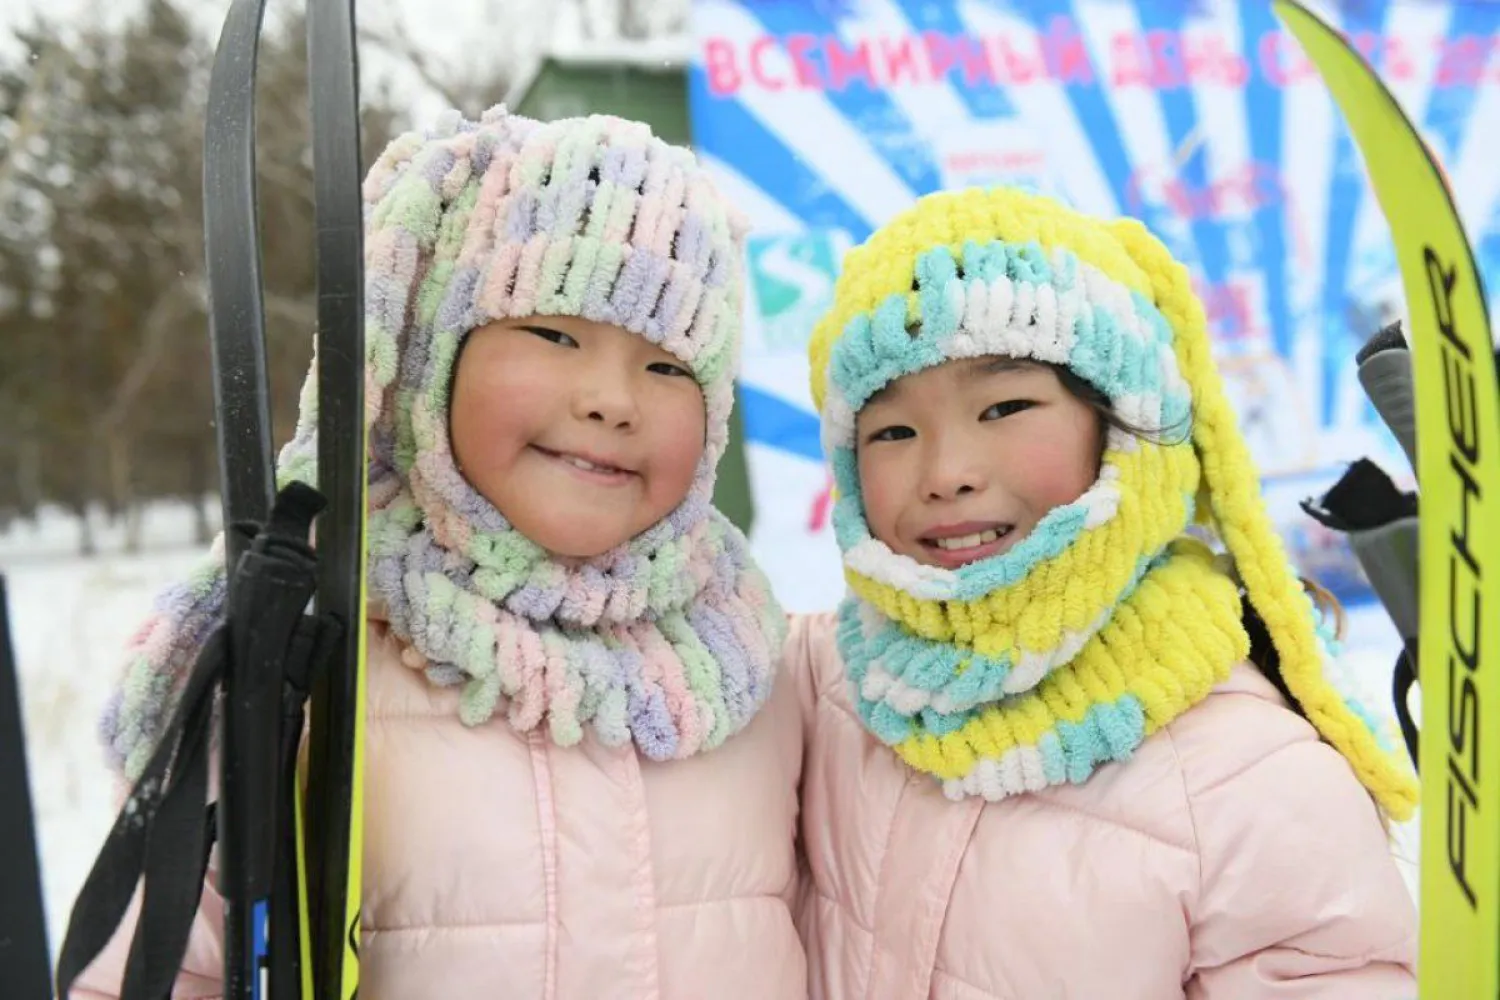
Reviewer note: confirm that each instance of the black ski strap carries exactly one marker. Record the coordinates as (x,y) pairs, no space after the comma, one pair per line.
(122,861)
(1380,522)
(164,832)
(1402,680)
(176,855)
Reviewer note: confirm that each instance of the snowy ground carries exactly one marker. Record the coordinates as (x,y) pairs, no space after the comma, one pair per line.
(71,617)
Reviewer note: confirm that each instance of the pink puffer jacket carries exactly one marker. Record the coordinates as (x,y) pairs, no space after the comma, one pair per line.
(499,865)
(1234,857)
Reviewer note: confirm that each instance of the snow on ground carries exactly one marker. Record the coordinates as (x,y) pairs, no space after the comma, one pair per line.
(72,615)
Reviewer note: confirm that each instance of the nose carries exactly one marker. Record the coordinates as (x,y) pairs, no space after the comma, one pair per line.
(604,395)
(953,468)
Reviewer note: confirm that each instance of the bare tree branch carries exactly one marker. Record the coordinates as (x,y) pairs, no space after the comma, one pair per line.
(170,306)
(406,50)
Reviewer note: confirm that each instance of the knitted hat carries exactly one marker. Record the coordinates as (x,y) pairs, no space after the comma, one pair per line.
(999,272)
(670,640)
(509,217)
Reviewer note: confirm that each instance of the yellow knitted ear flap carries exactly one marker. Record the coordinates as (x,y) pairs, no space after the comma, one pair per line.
(1241,518)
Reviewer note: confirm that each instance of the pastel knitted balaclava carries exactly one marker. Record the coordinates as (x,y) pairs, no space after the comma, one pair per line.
(1037,665)
(669,640)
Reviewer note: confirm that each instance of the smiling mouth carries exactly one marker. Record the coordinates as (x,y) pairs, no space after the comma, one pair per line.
(593,467)
(953,547)
(978,539)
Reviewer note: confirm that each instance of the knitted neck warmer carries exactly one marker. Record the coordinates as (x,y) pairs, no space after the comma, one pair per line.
(670,640)
(1035,666)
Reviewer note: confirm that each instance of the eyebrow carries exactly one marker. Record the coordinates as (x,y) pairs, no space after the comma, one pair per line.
(1000,365)
(885,394)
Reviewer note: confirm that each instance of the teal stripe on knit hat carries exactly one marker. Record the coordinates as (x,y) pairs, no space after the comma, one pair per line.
(849,526)
(1111,359)
(877,349)
(940,297)
(894,340)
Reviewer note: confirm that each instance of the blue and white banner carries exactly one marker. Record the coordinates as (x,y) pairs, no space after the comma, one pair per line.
(823,118)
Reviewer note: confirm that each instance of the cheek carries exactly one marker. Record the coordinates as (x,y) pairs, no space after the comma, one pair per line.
(677,445)
(492,414)
(879,487)
(1056,473)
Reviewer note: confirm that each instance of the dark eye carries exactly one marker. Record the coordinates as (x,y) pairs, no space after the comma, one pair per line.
(1006,408)
(894,433)
(667,368)
(554,336)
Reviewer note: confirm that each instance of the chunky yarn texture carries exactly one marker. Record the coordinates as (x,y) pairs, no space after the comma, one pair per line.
(1035,666)
(669,641)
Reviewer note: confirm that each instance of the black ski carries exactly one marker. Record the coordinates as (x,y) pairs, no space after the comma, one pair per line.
(330,856)
(249,826)
(334,851)
(25,967)
(257,672)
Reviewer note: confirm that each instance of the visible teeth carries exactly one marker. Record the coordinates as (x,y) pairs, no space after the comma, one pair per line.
(586,465)
(969,541)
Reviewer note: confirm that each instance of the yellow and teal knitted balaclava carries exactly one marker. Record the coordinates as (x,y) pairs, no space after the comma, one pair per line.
(1037,665)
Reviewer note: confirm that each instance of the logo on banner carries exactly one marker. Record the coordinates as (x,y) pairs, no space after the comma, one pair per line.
(988,152)
(791,285)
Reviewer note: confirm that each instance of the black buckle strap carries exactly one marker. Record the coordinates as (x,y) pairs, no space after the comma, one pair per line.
(166,829)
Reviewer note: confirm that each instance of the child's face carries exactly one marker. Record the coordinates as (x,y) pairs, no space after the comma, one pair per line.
(959,462)
(581,434)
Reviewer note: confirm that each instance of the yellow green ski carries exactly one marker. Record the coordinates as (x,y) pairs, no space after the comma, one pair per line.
(1458,473)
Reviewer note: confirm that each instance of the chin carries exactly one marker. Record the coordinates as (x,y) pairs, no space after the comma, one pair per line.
(570,533)
(580,549)
(576,552)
